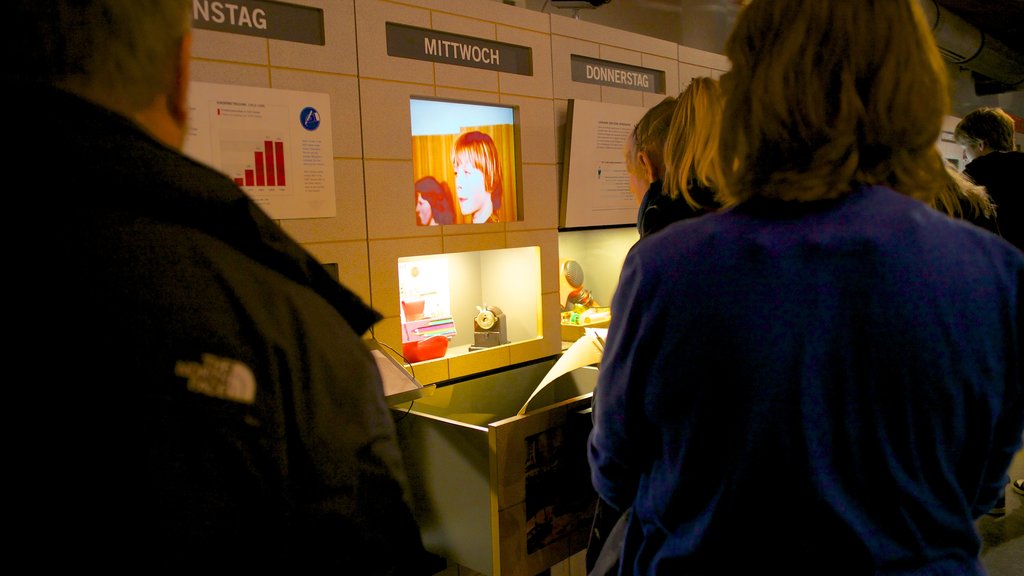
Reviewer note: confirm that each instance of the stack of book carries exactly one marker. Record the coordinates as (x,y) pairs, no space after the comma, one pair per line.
(417,330)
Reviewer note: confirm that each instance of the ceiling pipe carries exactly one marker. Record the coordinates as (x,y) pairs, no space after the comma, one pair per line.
(962,43)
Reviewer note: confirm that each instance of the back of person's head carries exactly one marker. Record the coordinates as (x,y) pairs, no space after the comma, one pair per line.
(442,207)
(825,94)
(119,53)
(479,149)
(691,145)
(649,136)
(992,126)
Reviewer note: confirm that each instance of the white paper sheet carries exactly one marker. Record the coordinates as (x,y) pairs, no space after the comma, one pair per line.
(583,352)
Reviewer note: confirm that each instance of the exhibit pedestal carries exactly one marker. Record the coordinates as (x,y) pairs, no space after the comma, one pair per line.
(496,492)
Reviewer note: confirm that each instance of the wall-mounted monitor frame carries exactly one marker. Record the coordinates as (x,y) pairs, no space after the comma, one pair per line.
(466,161)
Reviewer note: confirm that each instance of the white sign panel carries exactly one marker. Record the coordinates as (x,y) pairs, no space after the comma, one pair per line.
(595,183)
(275,144)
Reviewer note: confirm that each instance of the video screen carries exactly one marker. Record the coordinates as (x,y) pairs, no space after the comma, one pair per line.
(465,162)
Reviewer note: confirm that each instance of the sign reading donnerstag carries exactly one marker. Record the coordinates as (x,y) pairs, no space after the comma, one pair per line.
(261,18)
(605,73)
(433,46)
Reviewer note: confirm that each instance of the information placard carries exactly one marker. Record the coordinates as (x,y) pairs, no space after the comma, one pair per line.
(275,144)
(595,182)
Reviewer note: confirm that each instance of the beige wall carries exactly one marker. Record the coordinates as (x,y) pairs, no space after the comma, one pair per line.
(369,93)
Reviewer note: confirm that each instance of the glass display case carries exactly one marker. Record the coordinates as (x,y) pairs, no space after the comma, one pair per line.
(458,303)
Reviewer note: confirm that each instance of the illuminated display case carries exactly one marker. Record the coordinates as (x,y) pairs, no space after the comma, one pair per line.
(469,300)
(589,265)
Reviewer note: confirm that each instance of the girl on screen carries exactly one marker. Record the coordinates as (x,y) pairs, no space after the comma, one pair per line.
(434,203)
(478,181)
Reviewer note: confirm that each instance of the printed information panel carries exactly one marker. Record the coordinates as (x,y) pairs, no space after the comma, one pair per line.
(275,144)
(595,182)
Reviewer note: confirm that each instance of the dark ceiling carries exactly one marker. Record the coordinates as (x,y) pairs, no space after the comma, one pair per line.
(704,24)
(1000,22)
(1000,19)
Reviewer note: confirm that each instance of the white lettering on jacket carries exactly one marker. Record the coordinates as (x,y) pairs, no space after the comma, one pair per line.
(218,377)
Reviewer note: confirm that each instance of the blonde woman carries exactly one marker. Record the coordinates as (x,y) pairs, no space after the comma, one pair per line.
(672,157)
(825,376)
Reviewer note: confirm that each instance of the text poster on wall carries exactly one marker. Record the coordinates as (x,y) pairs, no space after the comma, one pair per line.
(275,144)
(595,182)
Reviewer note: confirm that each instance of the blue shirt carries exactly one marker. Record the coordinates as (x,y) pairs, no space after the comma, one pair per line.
(825,386)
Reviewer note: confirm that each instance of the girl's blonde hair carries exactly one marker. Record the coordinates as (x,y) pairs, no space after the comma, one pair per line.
(960,194)
(825,94)
(680,137)
(691,147)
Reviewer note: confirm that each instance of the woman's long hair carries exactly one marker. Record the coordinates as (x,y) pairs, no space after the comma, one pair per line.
(963,198)
(691,147)
(825,94)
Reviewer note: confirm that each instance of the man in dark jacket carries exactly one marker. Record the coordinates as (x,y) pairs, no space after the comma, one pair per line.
(987,137)
(224,411)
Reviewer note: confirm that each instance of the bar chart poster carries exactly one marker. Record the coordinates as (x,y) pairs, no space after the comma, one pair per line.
(275,144)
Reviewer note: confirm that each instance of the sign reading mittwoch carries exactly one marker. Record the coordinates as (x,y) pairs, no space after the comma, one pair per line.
(434,46)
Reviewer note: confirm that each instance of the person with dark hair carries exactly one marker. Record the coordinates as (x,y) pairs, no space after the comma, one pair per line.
(478,177)
(226,413)
(672,157)
(434,203)
(825,376)
(987,137)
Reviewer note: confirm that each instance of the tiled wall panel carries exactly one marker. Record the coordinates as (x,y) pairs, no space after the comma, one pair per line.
(369,93)
(337,55)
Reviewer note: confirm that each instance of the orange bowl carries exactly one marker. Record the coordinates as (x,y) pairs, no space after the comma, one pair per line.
(426,349)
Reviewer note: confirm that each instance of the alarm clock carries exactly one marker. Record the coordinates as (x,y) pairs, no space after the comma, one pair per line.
(485,319)
(489,328)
